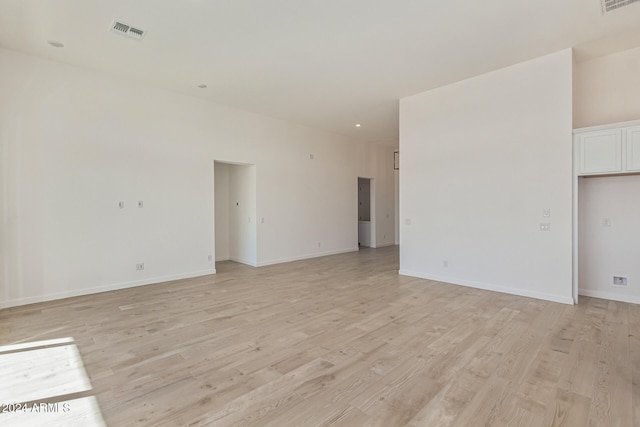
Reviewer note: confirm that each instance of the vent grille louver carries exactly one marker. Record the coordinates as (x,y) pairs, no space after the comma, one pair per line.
(611,5)
(127,30)
(136,31)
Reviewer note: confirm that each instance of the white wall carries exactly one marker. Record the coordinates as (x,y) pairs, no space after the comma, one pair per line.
(4,210)
(481,159)
(385,201)
(609,250)
(364,199)
(607,89)
(377,162)
(74,143)
(396,207)
(221,182)
(242,214)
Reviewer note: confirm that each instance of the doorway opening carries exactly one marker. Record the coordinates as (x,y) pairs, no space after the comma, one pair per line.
(366,220)
(235,212)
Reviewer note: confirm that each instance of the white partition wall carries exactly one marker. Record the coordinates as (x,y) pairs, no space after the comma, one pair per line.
(483,161)
(221,215)
(242,214)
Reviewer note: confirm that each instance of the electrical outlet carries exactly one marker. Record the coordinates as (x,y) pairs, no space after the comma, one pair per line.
(140,266)
(121,205)
(140,204)
(210,258)
(619,281)
(606,222)
(545,226)
(546,212)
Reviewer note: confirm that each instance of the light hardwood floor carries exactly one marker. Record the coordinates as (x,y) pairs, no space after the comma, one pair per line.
(343,340)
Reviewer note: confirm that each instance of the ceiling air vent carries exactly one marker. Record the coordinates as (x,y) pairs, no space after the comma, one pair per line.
(128,31)
(611,5)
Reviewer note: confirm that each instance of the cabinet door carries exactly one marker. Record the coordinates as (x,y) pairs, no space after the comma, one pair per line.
(600,152)
(633,148)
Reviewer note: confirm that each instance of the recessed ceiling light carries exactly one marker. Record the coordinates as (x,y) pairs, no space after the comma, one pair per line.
(357,125)
(202,86)
(55,43)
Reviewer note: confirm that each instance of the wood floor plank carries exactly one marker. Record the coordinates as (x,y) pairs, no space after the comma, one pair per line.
(612,401)
(568,409)
(340,340)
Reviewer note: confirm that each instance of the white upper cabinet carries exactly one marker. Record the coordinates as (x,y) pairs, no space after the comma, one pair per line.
(609,149)
(633,148)
(600,152)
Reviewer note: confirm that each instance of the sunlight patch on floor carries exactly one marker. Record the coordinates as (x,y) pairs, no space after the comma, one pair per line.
(45,383)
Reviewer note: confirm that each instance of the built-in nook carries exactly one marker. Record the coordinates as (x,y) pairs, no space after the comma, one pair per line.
(608,231)
(607,215)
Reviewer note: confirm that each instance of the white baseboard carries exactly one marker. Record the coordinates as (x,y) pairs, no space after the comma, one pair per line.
(105,288)
(224,258)
(308,256)
(243,261)
(491,287)
(383,245)
(633,299)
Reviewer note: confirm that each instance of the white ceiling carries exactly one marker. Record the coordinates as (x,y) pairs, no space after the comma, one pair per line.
(325,63)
